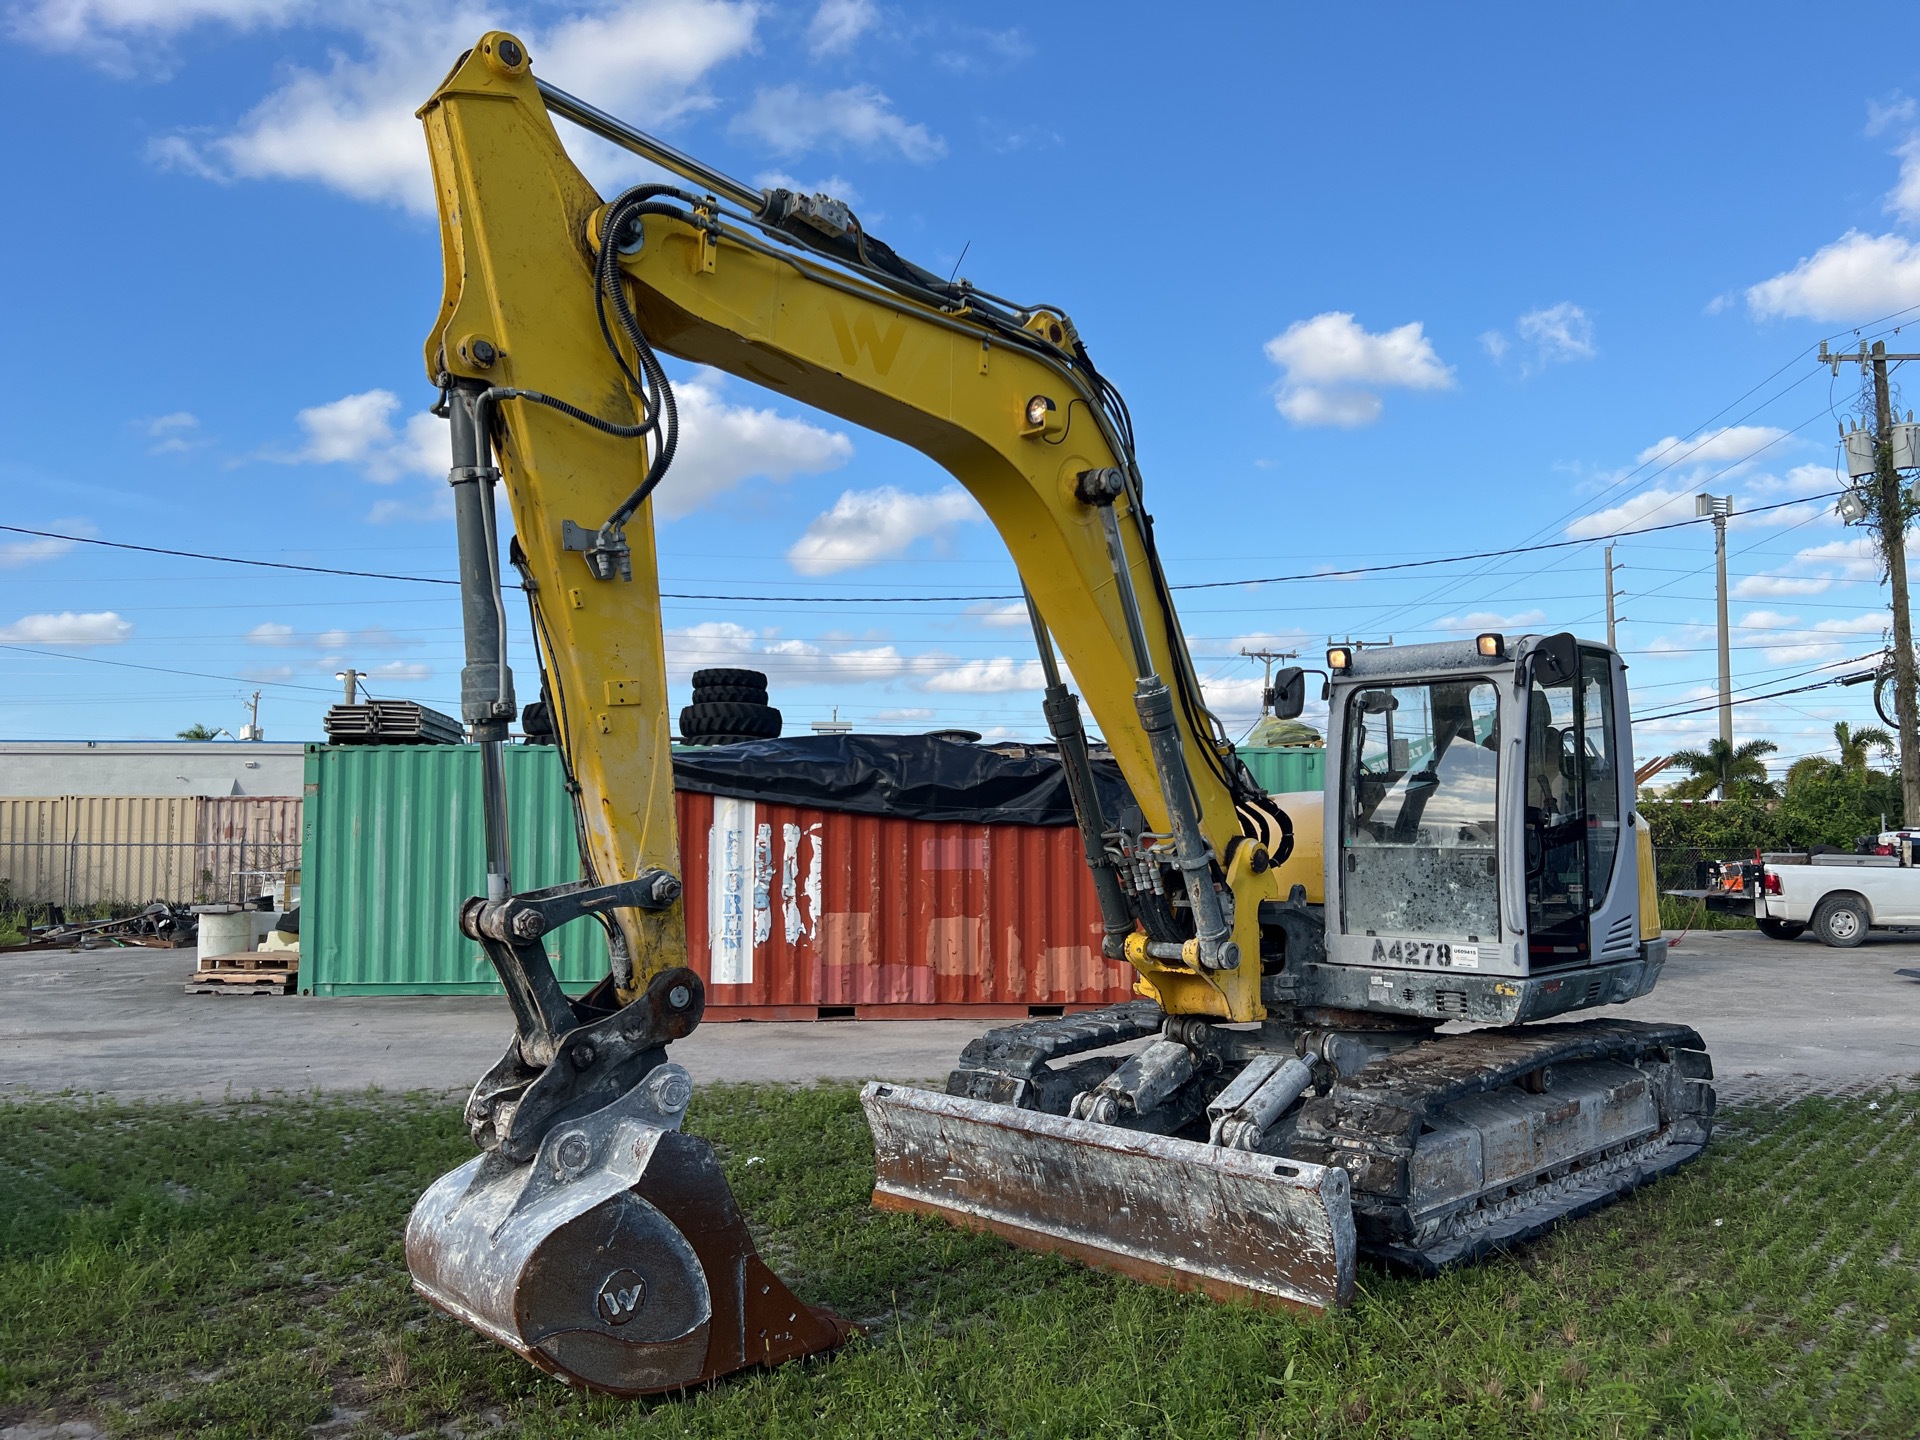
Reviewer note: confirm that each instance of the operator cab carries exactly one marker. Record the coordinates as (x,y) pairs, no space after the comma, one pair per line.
(1478,860)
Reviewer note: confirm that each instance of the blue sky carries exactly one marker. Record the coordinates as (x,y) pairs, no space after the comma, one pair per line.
(1380,283)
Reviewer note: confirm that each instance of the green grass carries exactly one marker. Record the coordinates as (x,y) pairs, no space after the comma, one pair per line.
(1678,914)
(236,1271)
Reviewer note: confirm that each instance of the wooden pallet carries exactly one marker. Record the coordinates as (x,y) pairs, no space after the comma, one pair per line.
(253,960)
(242,982)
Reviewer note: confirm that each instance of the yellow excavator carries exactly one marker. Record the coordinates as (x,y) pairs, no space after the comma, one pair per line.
(1286,1093)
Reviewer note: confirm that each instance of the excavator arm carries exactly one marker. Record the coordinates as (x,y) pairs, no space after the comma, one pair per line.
(789,293)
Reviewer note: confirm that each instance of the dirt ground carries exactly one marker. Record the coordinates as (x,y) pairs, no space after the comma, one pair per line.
(1776,1015)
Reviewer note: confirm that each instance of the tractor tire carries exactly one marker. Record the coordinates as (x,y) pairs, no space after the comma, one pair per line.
(700,722)
(725,740)
(1842,921)
(729,694)
(756,679)
(1775,929)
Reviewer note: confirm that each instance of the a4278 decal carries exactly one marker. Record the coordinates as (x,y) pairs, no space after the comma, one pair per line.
(1436,953)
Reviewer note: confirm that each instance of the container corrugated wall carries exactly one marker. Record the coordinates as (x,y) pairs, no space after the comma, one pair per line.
(812,910)
(246,843)
(79,850)
(1281,768)
(394,845)
(791,911)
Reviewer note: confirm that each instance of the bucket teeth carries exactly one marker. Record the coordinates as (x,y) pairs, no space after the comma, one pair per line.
(617,1258)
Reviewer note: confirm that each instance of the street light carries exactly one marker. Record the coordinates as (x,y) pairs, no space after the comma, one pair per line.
(352,679)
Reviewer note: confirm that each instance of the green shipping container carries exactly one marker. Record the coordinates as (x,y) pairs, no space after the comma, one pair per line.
(394,845)
(1280,768)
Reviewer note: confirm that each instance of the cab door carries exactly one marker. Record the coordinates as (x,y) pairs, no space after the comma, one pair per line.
(1579,911)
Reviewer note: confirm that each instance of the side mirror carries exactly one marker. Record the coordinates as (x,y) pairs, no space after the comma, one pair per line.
(1289,692)
(1556,659)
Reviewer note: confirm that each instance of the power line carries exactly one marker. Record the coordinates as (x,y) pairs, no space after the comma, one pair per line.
(1324,574)
(164,670)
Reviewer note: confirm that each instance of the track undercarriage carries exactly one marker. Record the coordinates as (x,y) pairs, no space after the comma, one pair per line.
(1258,1161)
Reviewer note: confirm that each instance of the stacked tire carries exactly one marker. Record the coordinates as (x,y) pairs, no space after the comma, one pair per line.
(729,707)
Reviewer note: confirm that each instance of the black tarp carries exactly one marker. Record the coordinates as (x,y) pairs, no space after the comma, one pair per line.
(915,777)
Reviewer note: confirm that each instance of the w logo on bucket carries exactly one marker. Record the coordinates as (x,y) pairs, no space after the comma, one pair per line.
(621,1296)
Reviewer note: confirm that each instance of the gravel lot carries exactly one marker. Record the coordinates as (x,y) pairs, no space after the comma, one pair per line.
(1778,1016)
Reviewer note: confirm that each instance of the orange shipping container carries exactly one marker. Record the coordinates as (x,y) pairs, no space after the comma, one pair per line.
(796,913)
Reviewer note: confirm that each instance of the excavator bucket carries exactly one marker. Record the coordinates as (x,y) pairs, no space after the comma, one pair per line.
(1228,1223)
(617,1259)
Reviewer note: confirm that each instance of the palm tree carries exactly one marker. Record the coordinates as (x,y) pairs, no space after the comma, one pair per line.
(1806,768)
(197,731)
(1855,744)
(1720,766)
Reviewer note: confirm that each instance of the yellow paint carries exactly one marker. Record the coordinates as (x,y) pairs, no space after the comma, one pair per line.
(518,245)
(1649,879)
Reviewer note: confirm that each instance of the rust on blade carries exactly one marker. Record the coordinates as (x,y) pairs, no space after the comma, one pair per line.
(1225,1223)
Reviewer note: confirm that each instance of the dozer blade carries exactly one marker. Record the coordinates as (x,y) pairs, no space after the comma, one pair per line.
(617,1259)
(1228,1223)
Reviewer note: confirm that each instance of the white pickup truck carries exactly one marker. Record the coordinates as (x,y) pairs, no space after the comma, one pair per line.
(1838,897)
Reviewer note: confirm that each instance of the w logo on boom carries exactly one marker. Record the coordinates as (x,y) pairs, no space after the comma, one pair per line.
(863,333)
(621,1296)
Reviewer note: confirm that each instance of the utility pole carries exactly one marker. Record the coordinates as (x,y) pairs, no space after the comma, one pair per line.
(251,730)
(1269,656)
(352,678)
(1612,643)
(1720,507)
(1892,507)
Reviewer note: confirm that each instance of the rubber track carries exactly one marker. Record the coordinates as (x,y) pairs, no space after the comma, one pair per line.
(1370,1122)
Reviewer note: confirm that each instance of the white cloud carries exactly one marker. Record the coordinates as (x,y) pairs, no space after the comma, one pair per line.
(1826,639)
(1674,501)
(1732,444)
(911,715)
(1856,559)
(722,445)
(1557,333)
(1779,587)
(1636,512)
(358,430)
(97,627)
(1007,616)
(171,433)
(1335,369)
(869,525)
(401,670)
(987,677)
(1904,199)
(1495,344)
(1855,278)
(1479,621)
(32,549)
(810,664)
(837,24)
(270,633)
(1896,110)
(352,128)
(712,642)
(107,31)
(792,121)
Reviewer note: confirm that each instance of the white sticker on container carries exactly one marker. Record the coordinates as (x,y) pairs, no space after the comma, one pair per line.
(730,887)
(1466,957)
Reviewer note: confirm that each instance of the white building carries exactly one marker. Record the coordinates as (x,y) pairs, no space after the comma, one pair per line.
(151,767)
